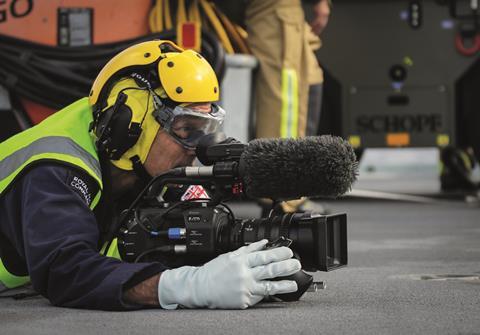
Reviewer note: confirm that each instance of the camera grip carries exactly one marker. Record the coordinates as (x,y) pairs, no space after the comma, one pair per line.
(303,280)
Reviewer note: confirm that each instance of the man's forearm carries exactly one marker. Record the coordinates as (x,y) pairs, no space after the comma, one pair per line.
(145,293)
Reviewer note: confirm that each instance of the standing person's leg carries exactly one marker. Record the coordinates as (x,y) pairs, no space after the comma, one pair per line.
(282,42)
(276,37)
(314,109)
(315,81)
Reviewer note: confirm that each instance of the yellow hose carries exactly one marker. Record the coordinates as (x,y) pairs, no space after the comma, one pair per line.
(181,12)
(167,16)
(160,19)
(155,17)
(217,26)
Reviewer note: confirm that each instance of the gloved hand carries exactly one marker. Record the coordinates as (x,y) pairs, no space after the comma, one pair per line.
(235,280)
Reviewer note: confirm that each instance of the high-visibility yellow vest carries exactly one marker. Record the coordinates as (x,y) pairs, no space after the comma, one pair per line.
(63,137)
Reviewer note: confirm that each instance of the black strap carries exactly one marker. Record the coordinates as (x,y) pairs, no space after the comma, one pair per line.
(140,170)
(105,211)
(145,178)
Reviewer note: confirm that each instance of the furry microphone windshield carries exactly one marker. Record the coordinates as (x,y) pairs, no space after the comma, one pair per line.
(315,166)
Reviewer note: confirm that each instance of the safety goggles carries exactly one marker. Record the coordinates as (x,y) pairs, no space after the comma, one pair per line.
(187,125)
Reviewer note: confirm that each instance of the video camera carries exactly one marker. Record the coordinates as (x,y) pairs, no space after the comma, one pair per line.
(195,230)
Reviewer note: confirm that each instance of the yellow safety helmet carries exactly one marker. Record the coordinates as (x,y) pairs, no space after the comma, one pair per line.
(124,96)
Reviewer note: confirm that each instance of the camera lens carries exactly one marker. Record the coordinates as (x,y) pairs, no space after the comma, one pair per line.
(319,241)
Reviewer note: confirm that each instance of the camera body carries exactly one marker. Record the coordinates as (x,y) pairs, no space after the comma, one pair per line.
(193,232)
(188,233)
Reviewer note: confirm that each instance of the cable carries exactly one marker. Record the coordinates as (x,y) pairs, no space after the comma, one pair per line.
(217,25)
(468,27)
(57,76)
(205,16)
(125,214)
(467,51)
(163,248)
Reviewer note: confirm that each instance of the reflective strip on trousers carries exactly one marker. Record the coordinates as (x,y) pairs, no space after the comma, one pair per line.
(289,121)
(51,144)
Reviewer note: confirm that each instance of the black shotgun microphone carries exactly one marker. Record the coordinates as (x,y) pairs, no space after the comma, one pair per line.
(315,166)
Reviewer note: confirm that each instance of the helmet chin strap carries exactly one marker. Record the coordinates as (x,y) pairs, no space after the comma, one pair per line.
(140,170)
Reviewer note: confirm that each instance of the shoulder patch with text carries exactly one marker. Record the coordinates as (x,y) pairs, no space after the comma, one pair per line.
(83,187)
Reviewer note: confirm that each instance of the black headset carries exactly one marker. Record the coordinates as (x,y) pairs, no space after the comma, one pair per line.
(113,127)
(115,134)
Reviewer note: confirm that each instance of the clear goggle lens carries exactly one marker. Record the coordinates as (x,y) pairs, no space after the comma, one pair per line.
(187,126)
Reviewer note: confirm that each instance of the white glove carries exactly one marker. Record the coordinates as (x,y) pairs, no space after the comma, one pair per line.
(235,280)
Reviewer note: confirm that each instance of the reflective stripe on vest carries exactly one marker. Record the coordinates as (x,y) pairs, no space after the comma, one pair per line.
(52,147)
(8,280)
(62,137)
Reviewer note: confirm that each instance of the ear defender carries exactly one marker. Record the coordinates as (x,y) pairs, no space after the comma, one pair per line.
(115,132)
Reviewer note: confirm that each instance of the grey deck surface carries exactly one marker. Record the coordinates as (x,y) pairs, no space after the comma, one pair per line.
(392,245)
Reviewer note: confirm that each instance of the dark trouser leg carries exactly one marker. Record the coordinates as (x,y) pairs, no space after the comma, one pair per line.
(315,93)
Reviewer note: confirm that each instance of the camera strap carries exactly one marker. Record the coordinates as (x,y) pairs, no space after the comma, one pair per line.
(140,170)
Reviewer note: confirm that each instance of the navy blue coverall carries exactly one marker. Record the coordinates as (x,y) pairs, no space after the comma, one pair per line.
(48,231)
